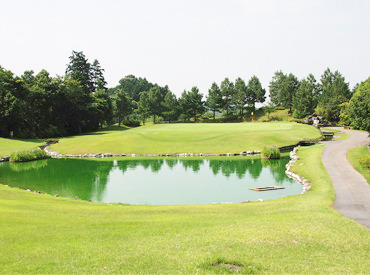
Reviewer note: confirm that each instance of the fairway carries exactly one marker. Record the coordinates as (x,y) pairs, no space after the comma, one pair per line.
(299,234)
(188,138)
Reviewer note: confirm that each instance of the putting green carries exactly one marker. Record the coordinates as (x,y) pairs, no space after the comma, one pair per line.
(188,138)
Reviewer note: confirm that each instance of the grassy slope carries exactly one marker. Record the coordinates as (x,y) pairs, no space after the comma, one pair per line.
(278,115)
(8,146)
(300,234)
(354,155)
(188,138)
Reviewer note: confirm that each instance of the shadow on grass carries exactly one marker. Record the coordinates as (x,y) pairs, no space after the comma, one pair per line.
(222,266)
(40,140)
(104,131)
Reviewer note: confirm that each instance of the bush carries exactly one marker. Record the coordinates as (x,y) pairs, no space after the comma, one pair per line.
(28,155)
(270,152)
(279,108)
(51,140)
(365,162)
(298,120)
(131,123)
(207,115)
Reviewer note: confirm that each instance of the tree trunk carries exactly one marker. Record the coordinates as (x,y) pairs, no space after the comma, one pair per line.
(214,114)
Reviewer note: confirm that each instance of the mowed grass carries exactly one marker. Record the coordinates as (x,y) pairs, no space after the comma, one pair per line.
(298,234)
(188,138)
(354,155)
(8,146)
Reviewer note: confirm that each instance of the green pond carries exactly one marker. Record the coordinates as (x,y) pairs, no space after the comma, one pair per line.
(153,181)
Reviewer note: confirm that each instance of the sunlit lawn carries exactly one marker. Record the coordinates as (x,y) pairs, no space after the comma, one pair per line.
(188,138)
(8,146)
(354,155)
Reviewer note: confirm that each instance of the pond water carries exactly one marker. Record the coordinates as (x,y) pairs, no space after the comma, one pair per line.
(153,181)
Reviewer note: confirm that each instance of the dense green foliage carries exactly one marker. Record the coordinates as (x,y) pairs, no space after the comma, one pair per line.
(270,152)
(359,107)
(306,97)
(334,91)
(28,155)
(296,235)
(43,106)
(328,98)
(283,88)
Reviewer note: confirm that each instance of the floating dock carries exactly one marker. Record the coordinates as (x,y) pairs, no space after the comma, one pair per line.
(266,188)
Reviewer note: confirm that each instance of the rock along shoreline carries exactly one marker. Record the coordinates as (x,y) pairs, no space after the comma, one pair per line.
(54,154)
(293,158)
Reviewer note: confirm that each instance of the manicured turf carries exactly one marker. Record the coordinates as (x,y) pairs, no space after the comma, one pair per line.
(8,146)
(188,138)
(354,155)
(300,234)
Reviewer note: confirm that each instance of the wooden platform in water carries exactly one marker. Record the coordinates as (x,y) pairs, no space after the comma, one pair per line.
(266,188)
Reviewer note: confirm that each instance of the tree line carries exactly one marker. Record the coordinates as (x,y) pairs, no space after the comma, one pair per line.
(44,106)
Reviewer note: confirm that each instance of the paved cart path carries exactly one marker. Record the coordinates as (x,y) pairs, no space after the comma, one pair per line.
(351,189)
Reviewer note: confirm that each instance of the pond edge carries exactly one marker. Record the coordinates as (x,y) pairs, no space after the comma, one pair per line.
(293,158)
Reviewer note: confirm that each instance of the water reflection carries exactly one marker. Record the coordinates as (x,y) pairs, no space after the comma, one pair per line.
(127,180)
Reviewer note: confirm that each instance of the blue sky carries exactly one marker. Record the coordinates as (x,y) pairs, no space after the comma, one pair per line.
(189,43)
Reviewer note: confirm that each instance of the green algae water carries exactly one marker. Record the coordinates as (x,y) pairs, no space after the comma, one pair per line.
(153,181)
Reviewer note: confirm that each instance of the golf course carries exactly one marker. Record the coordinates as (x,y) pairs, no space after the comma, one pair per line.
(188,138)
(184,137)
(41,233)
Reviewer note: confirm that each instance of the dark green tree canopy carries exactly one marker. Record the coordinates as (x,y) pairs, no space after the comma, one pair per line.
(191,103)
(80,69)
(334,91)
(359,107)
(306,97)
(227,91)
(214,99)
(241,95)
(171,107)
(256,94)
(283,88)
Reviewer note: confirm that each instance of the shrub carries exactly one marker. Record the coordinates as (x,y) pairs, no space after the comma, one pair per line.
(270,152)
(298,120)
(131,123)
(365,162)
(51,140)
(28,155)
(207,115)
(279,108)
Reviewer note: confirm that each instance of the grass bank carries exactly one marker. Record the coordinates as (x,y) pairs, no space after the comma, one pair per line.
(299,234)
(188,138)
(354,156)
(8,146)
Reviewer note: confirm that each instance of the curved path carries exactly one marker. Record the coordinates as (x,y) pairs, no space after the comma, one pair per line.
(352,193)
